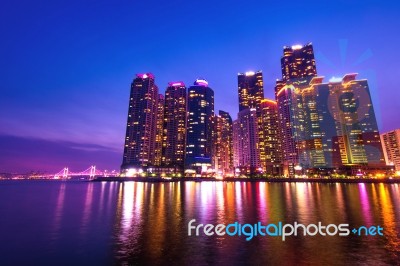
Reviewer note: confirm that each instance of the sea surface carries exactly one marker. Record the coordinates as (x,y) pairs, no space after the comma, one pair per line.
(137,223)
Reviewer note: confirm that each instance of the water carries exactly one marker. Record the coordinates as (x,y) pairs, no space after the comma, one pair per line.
(70,223)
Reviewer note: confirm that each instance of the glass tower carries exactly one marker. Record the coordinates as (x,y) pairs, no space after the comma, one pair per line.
(223,139)
(250,89)
(159,131)
(247,146)
(200,124)
(268,137)
(140,138)
(298,62)
(174,136)
(297,65)
(391,147)
(332,124)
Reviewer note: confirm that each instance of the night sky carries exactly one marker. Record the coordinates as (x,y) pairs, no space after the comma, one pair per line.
(66,66)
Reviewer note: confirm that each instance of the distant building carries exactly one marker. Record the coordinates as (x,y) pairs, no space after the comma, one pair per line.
(246,148)
(223,141)
(175,119)
(391,147)
(199,144)
(141,127)
(159,131)
(250,89)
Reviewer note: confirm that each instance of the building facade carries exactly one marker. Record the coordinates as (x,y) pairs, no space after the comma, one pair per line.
(247,147)
(289,151)
(329,125)
(140,137)
(298,62)
(270,157)
(391,148)
(223,141)
(200,125)
(159,131)
(236,143)
(250,89)
(297,65)
(175,119)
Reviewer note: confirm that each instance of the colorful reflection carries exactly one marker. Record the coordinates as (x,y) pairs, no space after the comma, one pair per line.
(87,209)
(152,221)
(58,213)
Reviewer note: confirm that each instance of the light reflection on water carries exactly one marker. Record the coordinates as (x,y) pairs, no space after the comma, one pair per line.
(88,209)
(136,223)
(218,202)
(58,213)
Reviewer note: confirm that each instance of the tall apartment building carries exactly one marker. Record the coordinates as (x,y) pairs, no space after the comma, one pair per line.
(159,131)
(200,124)
(223,141)
(270,157)
(174,128)
(250,89)
(140,137)
(331,124)
(246,148)
(391,147)
(297,63)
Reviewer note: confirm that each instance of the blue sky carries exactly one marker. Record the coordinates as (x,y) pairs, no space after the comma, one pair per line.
(66,66)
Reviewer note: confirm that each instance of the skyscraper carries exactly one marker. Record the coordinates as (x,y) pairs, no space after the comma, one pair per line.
(268,137)
(289,152)
(140,135)
(199,143)
(159,131)
(391,147)
(174,137)
(350,105)
(279,85)
(298,62)
(246,148)
(223,141)
(236,133)
(330,125)
(250,89)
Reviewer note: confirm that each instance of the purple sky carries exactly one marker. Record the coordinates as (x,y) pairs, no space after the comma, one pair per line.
(66,66)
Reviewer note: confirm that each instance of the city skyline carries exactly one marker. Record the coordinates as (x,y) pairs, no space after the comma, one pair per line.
(200,133)
(74,107)
(158,139)
(312,128)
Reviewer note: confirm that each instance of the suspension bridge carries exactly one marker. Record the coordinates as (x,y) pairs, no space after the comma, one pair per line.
(89,173)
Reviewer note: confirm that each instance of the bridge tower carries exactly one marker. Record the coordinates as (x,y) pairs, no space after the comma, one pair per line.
(92,172)
(65,172)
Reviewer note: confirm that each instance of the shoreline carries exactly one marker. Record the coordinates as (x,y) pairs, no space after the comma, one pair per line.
(233,179)
(229,179)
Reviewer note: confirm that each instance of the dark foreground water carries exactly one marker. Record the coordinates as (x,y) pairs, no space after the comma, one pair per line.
(80,223)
